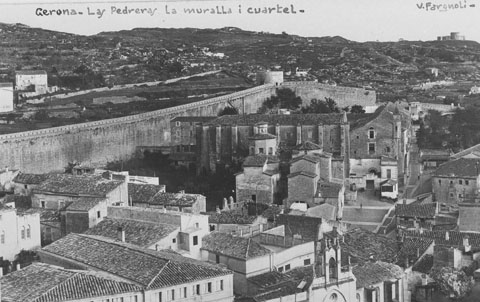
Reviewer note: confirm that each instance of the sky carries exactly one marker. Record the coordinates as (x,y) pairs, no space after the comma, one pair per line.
(358,20)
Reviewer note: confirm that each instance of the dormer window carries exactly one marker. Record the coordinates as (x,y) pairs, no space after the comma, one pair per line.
(371,133)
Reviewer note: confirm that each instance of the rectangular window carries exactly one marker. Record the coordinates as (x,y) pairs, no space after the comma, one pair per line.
(217,258)
(209,287)
(460,181)
(2,238)
(287,267)
(439,181)
(135,298)
(43,203)
(197,290)
(306,262)
(221,284)
(98,214)
(371,148)
(195,240)
(23,233)
(174,240)
(28,232)
(254,197)
(185,292)
(260,150)
(160,297)
(270,151)
(389,173)
(371,134)
(280,269)
(173,294)
(467,182)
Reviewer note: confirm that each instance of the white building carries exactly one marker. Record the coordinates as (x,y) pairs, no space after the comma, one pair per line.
(18,231)
(6,97)
(27,79)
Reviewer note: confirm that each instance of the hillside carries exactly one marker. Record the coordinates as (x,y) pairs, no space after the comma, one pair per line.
(146,54)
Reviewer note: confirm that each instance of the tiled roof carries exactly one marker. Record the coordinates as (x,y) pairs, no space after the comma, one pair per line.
(306,227)
(313,158)
(427,210)
(388,182)
(30,179)
(6,85)
(193,119)
(363,245)
(232,246)
(142,193)
(93,185)
(455,238)
(151,269)
(468,151)
(412,249)
(30,72)
(259,160)
(307,146)
(282,119)
(273,285)
(358,120)
(424,265)
(41,282)
(47,215)
(262,136)
(141,233)
(328,189)
(434,154)
(84,204)
(173,199)
(371,273)
(231,217)
(462,167)
(303,173)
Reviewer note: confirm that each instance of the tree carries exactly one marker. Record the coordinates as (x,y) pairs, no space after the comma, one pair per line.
(318,106)
(228,111)
(285,98)
(452,282)
(357,109)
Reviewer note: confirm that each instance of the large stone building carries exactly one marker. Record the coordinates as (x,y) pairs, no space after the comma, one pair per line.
(228,139)
(6,97)
(456,181)
(37,79)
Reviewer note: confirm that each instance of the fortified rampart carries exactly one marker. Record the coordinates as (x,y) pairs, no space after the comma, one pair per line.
(116,139)
(343,96)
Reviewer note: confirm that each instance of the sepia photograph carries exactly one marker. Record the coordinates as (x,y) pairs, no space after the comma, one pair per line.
(239,151)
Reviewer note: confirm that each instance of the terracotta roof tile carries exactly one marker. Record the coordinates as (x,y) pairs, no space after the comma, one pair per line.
(142,193)
(462,167)
(93,185)
(328,189)
(84,204)
(455,238)
(306,227)
(259,160)
(412,249)
(371,273)
(141,233)
(427,210)
(41,282)
(232,246)
(173,199)
(262,136)
(30,179)
(151,269)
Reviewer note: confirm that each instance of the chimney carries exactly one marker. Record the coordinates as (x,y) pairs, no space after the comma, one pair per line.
(418,252)
(18,267)
(447,235)
(121,233)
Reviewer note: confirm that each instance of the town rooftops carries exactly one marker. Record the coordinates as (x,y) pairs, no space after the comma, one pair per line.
(142,192)
(140,233)
(20,201)
(302,173)
(447,238)
(434,154)
(260,160)
(358,120)
(363,245)
(30,179)
(412,249)
(281,119)
(307,228)
(307,146)
(233,246)
(313,158)
(274,285)
(427,210)
(462,167)
(231,217)
(324,211)
(372,273)
(40,282)
(147,268)
(30,72)
(89,185)
(174,199)
(466,152)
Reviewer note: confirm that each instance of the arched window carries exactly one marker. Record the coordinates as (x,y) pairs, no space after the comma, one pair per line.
(22,233)
(371,133)
(332,268)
